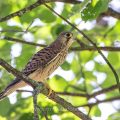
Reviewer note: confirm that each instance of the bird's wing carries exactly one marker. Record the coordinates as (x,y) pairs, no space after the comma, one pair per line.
(39,60)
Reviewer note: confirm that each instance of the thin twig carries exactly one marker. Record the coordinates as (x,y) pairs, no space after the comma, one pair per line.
(90,48)
(101,101)
(109,64)
(73,94)
(29,26)
(90,108)
(44,112)
(103,91)
(21,41)
(36,117)
(77,88)
(111,12)
(110,30)
(82,45)
(11,31)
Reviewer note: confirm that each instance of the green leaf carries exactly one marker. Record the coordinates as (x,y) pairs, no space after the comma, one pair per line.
(94,2)
(114,116)
(25,56)
(91,12)
(58,83)
(26,116)
(5,51)
(26,18)
(58,28)
(68,118)
(12,30)
(96,111)
(5,107)
(47,16)
(113,59)
(3,7)
(65,66)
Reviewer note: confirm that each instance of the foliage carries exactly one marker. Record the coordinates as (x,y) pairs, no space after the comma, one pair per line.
(77,70)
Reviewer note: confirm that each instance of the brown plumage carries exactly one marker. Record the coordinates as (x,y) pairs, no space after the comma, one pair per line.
(43,63)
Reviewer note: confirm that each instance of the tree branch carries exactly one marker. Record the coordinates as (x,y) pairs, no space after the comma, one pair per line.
(22,41)
(36,117)
(111,12)
(33,6)
(103,91)
(90,48)
(21,12)
(73,94)
(44,112)
(67,105)
(53,96)
(101,101)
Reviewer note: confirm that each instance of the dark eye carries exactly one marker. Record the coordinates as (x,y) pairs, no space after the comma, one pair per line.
(68,35)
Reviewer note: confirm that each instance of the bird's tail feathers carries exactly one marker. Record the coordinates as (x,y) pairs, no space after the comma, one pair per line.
(13,86)
(2,95)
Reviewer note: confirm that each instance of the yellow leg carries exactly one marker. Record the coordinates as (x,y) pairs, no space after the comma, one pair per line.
(48,87)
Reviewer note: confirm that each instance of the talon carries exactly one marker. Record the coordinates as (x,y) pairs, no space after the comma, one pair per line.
(49,89)
(50,92)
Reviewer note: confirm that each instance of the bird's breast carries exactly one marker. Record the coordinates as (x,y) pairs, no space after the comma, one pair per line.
(42,74)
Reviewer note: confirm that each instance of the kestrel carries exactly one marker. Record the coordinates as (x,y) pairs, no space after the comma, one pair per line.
(43,63)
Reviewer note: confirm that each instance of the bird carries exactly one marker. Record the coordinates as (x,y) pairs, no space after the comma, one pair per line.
(43,63)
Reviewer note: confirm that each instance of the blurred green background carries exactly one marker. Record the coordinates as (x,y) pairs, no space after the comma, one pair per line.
(82,72)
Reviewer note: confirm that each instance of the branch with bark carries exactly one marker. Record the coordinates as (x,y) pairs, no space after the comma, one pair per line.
(93,95)
(42,89)
(111,12)
(86,48)
(33,6)
(100,101)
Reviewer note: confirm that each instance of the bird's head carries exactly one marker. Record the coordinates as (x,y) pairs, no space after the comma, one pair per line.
(66,38)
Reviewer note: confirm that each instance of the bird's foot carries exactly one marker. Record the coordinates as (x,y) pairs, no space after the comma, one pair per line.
(49,90)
